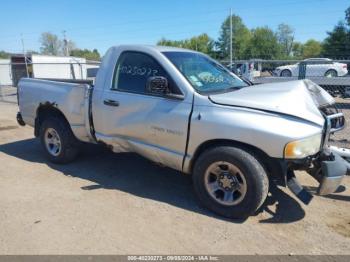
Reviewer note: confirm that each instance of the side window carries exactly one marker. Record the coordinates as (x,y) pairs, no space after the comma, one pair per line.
(133,70)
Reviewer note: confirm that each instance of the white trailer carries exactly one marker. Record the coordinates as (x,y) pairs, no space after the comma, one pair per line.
(58,67)
(5,72)
(45,66)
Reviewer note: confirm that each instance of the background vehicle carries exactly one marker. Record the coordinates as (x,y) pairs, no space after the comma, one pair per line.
(183,110)
(315,67)
(248,69)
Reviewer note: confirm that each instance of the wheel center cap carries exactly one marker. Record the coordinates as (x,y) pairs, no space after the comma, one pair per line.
(226,181)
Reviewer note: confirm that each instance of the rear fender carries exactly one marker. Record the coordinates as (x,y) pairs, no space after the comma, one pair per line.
(45,110)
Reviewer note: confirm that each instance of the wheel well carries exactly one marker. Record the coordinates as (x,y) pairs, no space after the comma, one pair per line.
(283,70)
(44,111)
(275,168)
(330,70)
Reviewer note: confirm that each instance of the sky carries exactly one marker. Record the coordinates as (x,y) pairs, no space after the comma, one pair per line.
(101,24)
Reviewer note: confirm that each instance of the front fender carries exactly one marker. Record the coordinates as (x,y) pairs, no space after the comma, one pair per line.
(269,132)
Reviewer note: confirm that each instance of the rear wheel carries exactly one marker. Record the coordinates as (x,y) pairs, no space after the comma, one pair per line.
(230,181)
(58,141)
(331,73)
(286,73)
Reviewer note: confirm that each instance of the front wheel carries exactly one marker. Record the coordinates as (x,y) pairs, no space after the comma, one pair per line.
(230,181)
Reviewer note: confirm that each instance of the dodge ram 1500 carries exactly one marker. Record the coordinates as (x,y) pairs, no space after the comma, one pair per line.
(182,109)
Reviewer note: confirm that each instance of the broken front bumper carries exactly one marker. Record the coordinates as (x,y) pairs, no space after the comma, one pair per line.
(333,172)
(333,166)
(328,167)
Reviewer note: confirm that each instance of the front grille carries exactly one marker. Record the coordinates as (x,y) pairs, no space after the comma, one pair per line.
(335,118)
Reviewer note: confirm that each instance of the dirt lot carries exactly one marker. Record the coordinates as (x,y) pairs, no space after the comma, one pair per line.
(106,203)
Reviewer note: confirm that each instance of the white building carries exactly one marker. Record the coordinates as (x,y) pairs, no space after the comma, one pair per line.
(48,67)
(5,72)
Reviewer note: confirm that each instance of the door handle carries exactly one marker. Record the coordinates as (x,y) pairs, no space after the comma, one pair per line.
(110,102)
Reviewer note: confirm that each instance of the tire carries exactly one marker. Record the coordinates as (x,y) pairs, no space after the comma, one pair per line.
(331,73)
(286,73)
(244,203)
(67,144)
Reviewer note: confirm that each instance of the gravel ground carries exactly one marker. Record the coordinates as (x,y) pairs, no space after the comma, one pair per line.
(106,203)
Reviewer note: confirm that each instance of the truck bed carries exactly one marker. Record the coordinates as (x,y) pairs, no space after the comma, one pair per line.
(70,98)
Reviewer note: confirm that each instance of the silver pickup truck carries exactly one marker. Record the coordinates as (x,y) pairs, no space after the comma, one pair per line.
(182,109)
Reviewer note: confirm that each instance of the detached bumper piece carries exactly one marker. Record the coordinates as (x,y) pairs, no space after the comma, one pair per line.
(329,170)
(298,190)
(333,172)
(344,153)
(20,119)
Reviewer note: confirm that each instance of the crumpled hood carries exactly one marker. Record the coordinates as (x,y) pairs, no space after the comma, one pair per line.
(300,98)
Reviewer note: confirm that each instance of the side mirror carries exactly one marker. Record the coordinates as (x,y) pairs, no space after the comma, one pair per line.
(158,85)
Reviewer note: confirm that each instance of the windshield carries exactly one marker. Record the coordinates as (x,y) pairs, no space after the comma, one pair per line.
(205,75)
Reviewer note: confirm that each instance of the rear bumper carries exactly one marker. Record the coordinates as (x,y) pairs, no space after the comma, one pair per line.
(333,172)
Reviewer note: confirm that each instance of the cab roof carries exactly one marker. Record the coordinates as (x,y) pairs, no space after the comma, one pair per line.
(155,47)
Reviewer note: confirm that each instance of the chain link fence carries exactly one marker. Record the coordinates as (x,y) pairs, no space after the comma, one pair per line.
(332,75)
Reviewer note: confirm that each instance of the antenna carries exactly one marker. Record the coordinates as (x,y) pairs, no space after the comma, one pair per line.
(65,44)
(231,39)
(24,55)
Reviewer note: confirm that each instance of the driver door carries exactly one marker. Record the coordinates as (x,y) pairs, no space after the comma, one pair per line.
(134,119)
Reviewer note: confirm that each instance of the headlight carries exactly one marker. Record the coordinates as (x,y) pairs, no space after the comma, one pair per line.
(304,147)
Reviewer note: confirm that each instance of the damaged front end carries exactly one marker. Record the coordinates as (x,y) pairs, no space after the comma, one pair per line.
(330,168)
(327,167)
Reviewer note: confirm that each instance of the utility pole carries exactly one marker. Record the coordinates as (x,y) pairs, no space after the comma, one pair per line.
(24,55)
(65,44)
(231,57)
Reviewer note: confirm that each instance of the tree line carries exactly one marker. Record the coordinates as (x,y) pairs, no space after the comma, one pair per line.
(51,44)
(265,43)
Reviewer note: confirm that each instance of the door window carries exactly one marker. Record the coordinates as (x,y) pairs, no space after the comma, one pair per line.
(133,70)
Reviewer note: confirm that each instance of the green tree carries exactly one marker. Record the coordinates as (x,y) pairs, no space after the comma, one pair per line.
(4,55)
(312,48)
(240,38)
(202,43)
(50,44)
(297,50)
(32,52)
(263,44)
(69,45)
(167,42)
(285,37)
(85,53)
(347,16)
(337,44)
